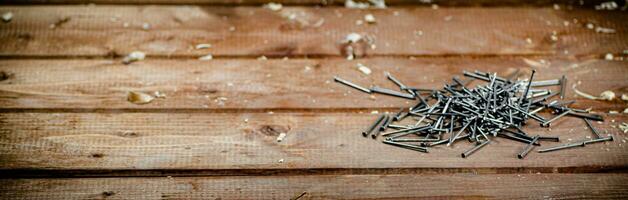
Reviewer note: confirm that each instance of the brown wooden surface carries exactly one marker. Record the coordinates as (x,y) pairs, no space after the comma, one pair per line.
(424,186)
(258,85)
(588,3)
(67,131)
(99,31)
(210,141)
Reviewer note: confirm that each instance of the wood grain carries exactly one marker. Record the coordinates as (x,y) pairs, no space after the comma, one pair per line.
(456,186)
(245,143)
(99,31)
(249,84)
(323,2)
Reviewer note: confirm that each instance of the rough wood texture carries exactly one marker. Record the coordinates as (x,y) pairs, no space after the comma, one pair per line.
(270,84)
(456,186)
(325,2)
(99,31)
(244,143)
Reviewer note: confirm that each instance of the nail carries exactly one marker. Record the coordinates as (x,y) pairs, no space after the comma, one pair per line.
(563,84)
(383,127)
(407,146)
(610,138)
(528,148)
(580,144)
(391,92)
(550,138)
(394,80)
(592,128)
(548,122)
(474,149)
(350,84)
(373,126)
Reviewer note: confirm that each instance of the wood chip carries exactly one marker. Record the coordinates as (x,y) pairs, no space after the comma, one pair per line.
(203,46)
(281,137)
(206,57)
(134,56)
(6,17)
(139,98)
(364,69)
(273,6)
(607,95)
(369,18)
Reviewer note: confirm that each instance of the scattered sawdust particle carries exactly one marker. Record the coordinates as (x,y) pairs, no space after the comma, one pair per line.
(203,46)
(281,137)
(613,112)
(624,97)
(139,97)
(133,57)
(609,56)
(280,160)
(374,112)
(145,26)
(364,69)
(262,58)
(159,94)
(435,6)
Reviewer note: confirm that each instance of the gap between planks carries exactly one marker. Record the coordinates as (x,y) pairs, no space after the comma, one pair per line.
(430,186)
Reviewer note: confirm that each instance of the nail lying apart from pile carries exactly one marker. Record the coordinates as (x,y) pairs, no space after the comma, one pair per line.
(498,108)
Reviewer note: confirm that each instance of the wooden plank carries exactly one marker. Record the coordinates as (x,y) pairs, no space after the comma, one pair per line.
(323,2)
(112,144)
(175,30)
(431,186)
(251,84)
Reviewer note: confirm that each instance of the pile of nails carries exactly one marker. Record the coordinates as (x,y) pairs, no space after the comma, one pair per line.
(498,107)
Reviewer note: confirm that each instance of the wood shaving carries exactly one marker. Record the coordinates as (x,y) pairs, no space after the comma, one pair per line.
(607,95)
(6,17)
(353,38)
(585,95)
(369,18)
(604,30)
(281,137)
(280,160)
(623,127)
(203,46)
(262,58)
(139,98)
(365,5)
(159,94)
(133,57)
(206,57)
(273,6)
(624,97)
(364,69)
(609,56)
(613,112)
(609,5)
(538,64)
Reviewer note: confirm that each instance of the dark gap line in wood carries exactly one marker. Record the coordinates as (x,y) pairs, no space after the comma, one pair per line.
(305,56)
(82,173)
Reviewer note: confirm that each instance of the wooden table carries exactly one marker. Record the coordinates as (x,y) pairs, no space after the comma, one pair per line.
(68,132)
